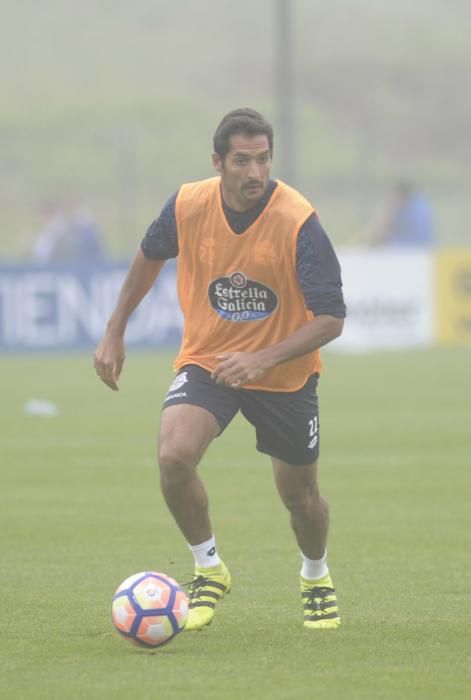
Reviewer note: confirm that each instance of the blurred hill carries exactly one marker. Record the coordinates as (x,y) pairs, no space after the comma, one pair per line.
(113,104)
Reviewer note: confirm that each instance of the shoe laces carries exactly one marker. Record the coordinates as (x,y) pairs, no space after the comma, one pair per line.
(318,594)
(196,586)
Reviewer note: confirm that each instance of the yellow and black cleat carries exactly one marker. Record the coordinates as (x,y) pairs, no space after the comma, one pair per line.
(321,611)
(206,590)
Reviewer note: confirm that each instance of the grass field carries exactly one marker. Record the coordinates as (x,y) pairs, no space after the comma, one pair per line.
(81,510)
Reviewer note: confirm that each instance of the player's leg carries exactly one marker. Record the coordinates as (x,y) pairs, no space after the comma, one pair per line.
(196,410)
(287,426)
(185,433)
(309,512)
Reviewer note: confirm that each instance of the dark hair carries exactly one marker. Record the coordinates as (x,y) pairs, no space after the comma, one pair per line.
(240,121)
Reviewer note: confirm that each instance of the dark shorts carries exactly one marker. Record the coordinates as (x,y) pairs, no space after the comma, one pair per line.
(286,423)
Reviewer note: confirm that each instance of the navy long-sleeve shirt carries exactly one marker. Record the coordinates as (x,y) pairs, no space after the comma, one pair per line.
(317,267)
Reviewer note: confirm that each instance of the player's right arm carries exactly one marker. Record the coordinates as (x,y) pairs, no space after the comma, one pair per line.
(110,353)
(158,245)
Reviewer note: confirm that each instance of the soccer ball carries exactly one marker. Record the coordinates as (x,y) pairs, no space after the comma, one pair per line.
(149,609)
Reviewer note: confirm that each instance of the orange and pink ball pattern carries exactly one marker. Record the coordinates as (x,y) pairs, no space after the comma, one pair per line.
(149,609)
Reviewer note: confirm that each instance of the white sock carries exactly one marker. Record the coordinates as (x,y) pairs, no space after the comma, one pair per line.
(205,554)
(314,568)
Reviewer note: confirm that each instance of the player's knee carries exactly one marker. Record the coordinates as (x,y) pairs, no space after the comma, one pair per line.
(303,502)
(176,464)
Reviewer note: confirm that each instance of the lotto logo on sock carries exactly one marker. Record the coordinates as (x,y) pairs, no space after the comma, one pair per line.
(211,552)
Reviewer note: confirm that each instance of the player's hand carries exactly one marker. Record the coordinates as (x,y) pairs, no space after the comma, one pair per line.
(109,360)
(238,368)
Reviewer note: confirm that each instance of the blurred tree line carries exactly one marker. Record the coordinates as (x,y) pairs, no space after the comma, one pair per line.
(114,104)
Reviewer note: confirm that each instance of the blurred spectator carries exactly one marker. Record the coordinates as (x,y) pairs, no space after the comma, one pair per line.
(51,239)
(407,219)
(86,241)
(66,237)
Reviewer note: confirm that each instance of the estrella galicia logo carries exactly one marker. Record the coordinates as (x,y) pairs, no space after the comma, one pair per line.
(237,298)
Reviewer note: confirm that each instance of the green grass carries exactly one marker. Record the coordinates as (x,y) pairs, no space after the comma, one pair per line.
(80,510)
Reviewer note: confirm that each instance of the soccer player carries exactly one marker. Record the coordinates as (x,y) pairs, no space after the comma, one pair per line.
(260,290)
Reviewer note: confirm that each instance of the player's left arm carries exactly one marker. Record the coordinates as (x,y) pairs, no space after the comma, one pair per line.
(319,276)
(238,368)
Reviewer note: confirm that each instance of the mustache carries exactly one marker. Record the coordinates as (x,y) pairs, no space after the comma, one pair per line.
(252,183)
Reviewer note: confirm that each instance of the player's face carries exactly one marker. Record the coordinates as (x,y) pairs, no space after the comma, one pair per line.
(245,170)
